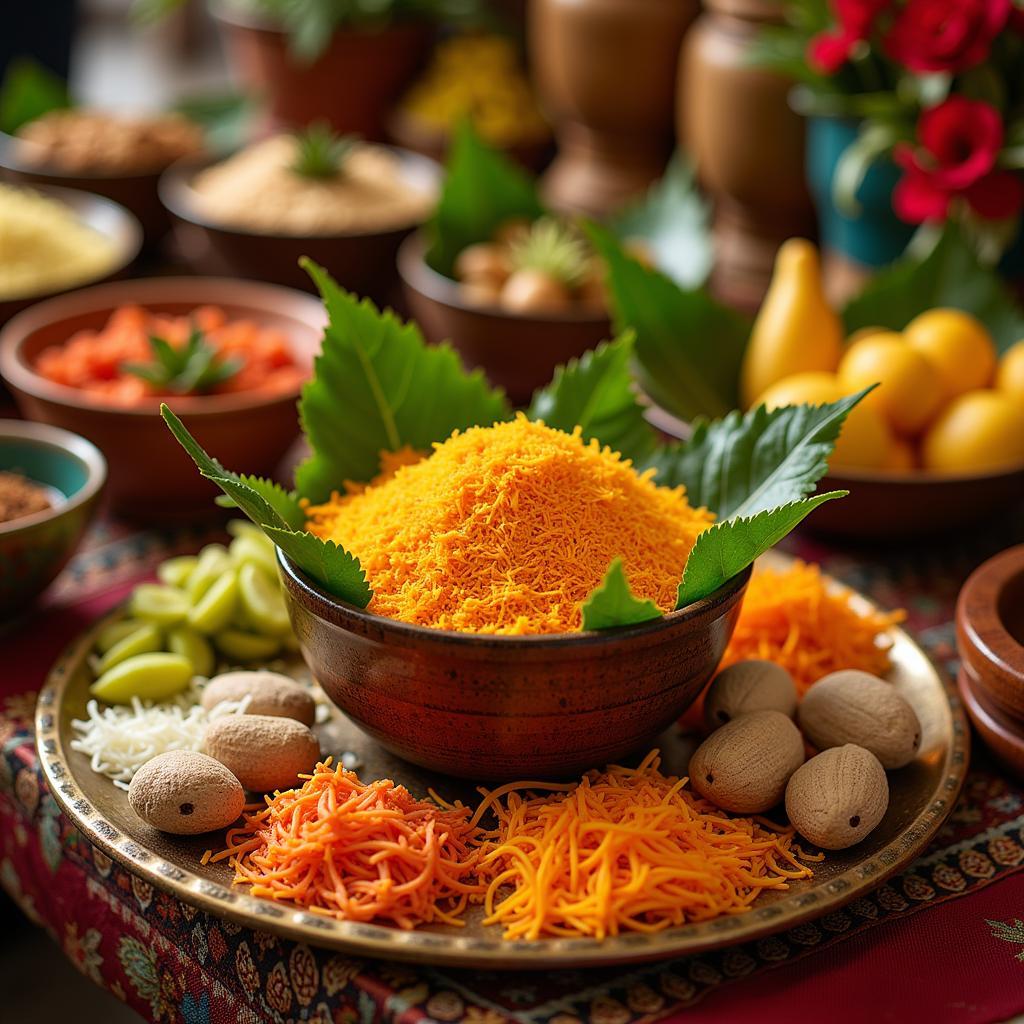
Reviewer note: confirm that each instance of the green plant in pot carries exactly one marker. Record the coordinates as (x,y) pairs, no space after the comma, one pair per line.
(915,118)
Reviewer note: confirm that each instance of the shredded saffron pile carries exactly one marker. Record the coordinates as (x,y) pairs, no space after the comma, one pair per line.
(623,850)
(792,618)
(357,852)
(508,529)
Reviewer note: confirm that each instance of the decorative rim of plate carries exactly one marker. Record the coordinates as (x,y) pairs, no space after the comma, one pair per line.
(470,951)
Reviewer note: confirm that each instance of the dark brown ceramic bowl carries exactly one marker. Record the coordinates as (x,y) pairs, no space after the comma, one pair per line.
(517,352)
(498,707)
(1000,733)
(363,262)
(107,218)
(150,475)
(135,192)
(896,506)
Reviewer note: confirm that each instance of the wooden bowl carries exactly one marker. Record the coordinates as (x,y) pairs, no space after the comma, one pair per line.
(363,262)
(150,474)
(34,549)
(999,733)
(500,707)
(517,352)
(109,219)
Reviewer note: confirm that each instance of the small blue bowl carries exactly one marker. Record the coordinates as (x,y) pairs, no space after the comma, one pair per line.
(34,548)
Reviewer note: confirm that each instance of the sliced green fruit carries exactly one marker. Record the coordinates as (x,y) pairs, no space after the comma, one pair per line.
(115,633)
(194,646)
(214,609)
(153,602)
(175,572)
(144,639)
(212,563)
(243,528)
(146,676)
(246,647)
(245,550)
(262,600)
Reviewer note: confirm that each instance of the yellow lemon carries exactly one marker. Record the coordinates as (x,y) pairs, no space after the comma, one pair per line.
(865,439)
(977,432)
(957,345)
(911,389)
(1010,373)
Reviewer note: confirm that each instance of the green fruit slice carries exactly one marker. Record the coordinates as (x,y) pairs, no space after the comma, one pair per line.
(213,562)
(175,572)
(247,549)
(261,598)
(165,606)
(146,676)
(246,647)
(215,608)
(115,633)
(194,646)
(145,638)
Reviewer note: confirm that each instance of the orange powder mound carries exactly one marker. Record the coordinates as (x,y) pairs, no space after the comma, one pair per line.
(623,850)
(508,529)
(357,852)
(791,618)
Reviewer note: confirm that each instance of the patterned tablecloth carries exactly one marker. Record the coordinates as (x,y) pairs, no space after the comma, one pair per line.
(944,941)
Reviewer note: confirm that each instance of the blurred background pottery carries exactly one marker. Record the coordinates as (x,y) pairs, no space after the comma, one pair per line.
(537,706)
(516,351)
(150,475)
(605,71)
(34,548)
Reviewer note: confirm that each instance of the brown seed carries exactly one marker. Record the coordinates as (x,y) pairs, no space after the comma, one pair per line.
(265,753)
(269,693)
(533,291)
(484,263)
(747,686)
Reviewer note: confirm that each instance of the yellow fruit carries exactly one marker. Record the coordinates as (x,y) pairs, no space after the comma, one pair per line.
(865,439)
(1010,373)
(902,457)
(957,345)
(911,389)
(796,330)
(977,432)
(865,332)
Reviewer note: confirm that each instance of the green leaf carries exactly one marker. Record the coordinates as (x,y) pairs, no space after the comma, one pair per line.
(482,189)
(688,346)
(378,387)
(29,90)
(321,152)
(729,547)
(672,222)
(745,464)
(596,392)
(274,512)
(612,603)
(226,118)
(872,142)
(950,275)
(284,503)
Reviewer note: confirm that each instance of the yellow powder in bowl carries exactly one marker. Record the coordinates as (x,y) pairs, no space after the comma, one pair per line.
(508,529)
(45,247)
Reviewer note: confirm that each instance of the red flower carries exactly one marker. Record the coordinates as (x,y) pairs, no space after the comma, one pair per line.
(960,141)
(828,51)
(945,35)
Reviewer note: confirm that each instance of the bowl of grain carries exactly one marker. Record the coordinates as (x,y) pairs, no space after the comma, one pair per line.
(345,204)
(50,485)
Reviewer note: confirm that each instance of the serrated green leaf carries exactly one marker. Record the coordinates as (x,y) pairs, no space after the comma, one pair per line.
(482,189)
(29,90)
(284,503)
(613,604)
(330,565)
(378,386)
(730,546)
(950,275)
(688,346)
(745,464)
(596,393)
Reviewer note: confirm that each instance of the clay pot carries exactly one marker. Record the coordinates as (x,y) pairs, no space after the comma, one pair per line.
(748,145)
(605,71)
(352,84)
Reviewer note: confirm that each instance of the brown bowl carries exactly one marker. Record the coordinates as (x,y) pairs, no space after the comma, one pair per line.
(363,262)
(150,475)
(517,352)
(112,221)
(999,733)
(495,708)
(990,633)
(135,192)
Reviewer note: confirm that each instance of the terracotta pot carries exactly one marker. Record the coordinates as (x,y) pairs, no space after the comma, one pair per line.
(605,70)
(748,145)
(352,85)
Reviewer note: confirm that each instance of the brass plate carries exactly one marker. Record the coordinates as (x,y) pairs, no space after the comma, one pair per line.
(922,795)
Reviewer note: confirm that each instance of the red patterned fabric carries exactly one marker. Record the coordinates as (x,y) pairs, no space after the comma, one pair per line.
(944,941)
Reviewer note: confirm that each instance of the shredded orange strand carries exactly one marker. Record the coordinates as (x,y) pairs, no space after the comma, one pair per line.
(358,852)
(507,529)
(791,618)
(623,850)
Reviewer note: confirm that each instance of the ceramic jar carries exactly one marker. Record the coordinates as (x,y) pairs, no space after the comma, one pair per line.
(605,71)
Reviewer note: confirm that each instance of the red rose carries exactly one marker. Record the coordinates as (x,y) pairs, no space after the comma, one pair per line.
(945,35)
(829,51)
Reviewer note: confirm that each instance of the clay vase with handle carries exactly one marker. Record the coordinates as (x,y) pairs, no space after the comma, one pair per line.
(747,143)
(605,71)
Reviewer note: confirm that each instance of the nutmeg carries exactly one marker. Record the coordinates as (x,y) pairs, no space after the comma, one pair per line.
(269,693)
(747,686)
(264,752)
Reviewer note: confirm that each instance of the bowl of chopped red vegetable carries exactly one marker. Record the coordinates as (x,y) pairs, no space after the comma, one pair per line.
(50,485)
(228,356)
